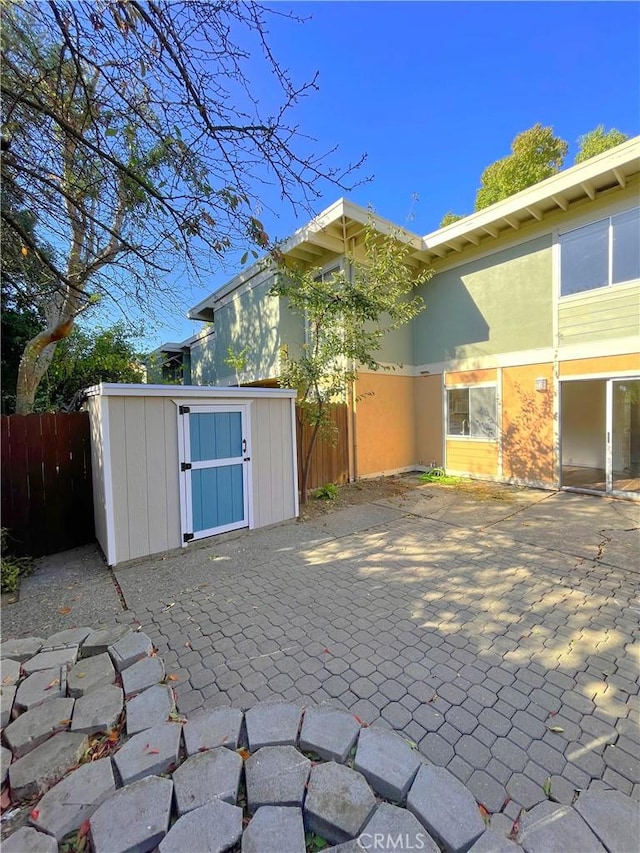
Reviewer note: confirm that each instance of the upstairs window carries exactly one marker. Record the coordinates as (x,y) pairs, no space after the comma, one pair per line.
(472,412)
(601,254)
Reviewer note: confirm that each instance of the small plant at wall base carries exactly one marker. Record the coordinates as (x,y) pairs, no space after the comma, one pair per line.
(346,315)
(439,475)
(328,492)
(12,567)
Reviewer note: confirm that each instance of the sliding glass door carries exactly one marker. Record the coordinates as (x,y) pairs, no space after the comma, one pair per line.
(600,435)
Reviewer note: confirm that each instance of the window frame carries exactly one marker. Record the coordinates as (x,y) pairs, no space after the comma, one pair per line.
(610,283)
(469,387)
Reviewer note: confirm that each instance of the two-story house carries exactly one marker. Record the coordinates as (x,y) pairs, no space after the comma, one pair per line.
(525,365)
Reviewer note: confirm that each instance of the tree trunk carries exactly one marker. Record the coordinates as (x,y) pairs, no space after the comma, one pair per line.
(35,362)
(306,464)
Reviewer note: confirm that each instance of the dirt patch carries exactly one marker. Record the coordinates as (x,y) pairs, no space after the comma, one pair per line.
(361,492)
(383,488)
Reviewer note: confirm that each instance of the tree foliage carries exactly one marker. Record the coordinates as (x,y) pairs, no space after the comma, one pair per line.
(597,141)
(449,218)
(346,316)
(536,154)
(135,134)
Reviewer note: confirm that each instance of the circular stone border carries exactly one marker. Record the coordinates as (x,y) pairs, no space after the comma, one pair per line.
(279,777)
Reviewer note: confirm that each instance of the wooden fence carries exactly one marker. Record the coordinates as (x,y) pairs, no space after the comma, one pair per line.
(329,462)
(47,496)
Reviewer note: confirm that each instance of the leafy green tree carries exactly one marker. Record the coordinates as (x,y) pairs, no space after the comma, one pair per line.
(449,218)
(346,316)
(133,134)
(536,154)
(597,141)
(85,358)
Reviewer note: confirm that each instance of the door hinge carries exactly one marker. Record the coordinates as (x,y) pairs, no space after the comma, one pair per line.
(187,537)
(184,410)
(185,466)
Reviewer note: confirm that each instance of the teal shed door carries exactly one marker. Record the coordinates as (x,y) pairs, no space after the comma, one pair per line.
(216,459)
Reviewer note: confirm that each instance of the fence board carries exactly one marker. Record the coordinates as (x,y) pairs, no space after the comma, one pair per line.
(329,462)
(47,499)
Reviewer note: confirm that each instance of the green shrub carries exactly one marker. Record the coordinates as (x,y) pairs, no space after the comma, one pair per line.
(328,492)
(439,475)
(12,567)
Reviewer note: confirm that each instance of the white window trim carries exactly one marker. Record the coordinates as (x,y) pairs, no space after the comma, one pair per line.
(472,438)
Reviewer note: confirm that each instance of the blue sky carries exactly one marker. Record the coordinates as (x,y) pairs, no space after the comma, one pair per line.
(434,92)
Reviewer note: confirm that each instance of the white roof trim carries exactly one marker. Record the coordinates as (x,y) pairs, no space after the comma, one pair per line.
(117,389)
(551,189)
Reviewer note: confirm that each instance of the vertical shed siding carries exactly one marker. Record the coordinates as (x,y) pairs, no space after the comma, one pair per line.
(117,441)
(272,461)
(94,407)
(145,470)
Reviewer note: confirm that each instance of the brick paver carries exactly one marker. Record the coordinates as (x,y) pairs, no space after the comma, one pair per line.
(507,661)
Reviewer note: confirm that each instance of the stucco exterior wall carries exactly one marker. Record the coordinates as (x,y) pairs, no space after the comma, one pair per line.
(466,312)
(385,423)
(527,433)
(429,408)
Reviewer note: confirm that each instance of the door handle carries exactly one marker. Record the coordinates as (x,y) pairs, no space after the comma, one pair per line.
(244,445)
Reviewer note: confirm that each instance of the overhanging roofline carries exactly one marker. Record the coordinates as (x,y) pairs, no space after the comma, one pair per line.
(313,233)
(558,192)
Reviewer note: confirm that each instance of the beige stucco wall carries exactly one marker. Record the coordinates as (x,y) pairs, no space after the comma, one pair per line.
(385,423)
(143,437)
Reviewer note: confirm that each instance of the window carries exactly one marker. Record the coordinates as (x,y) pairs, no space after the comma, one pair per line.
(472,412)
(600,254)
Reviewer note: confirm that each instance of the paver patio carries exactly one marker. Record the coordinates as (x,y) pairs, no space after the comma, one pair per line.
(500,636)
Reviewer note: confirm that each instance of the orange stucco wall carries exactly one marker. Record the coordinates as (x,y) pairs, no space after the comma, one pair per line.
(601,364)
(466,456)
(471,377)
(527,424)
(429,426)
(385,423)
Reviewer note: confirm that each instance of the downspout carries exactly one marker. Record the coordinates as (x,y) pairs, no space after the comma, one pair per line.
(352,431)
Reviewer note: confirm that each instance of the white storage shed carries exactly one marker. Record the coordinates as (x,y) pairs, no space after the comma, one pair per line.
(173,463)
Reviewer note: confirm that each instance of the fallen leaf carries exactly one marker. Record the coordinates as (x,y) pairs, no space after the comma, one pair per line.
(203,749)
(547,787)
(52,684)
(80,674)
(515,829)
(357,719)
(64,722)
(326,652)
(485,814)
(552,713)
(556,729)
(172,677)
(5,799)
(153,752)
(7,679)
(188,645)
(84,828)
(244,753)
(35,814)
(64,610)
(433,699)
(169,606)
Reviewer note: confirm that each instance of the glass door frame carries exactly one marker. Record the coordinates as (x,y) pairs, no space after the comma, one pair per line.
(609,440)
(608,437)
